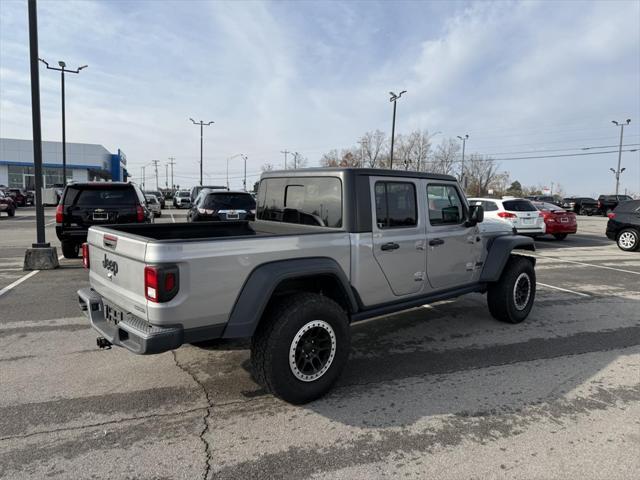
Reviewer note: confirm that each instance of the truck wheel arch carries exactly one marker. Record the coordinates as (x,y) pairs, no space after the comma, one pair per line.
(265,280)
(500,249)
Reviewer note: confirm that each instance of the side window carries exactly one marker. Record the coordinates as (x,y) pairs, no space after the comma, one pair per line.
(445,205)
(396,204)
(490,206)
(141,197)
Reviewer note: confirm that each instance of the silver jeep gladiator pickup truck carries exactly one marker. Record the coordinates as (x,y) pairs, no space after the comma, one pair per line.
(329,246)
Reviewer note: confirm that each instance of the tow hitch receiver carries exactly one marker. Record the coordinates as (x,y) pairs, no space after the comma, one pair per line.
(103,343)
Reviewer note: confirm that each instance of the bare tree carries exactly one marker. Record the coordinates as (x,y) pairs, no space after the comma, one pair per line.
(267,167)
(481,173)
(330,159)
(373,145)
(445,157)
(421,150)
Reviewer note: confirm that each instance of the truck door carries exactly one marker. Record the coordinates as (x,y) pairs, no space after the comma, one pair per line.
(453,248)
(398,233)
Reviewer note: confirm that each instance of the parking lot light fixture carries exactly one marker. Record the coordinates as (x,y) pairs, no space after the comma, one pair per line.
(394,98)
(63,69)
(617,172)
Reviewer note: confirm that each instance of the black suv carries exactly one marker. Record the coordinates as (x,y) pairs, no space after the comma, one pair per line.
(580,205)
(221,205)
(97,203)
(607,203)
(624,225)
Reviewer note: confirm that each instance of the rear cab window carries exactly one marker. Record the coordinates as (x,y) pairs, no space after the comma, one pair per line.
(302,200)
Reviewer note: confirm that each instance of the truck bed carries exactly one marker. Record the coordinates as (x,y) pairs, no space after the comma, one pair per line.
(180,232)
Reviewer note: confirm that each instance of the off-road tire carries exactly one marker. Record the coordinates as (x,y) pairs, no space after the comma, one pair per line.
(559,236)
(272,341)
(70,249)
(628,240)
(501,296)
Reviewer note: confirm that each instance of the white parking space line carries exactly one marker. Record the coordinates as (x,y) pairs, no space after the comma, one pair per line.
(172,219)
(587,264)
(50,223)
(24,278)
(18,282)
(562,289)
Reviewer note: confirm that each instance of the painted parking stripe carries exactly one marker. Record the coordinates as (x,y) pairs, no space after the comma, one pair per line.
(172,219)
(562,289)
(24,278)
(587,264)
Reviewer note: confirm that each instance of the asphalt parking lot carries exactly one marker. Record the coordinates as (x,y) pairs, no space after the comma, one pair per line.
(441,392)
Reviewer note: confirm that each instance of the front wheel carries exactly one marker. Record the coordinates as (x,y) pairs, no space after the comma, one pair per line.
(628,240)
(301,347)
(11,212)
(510,299)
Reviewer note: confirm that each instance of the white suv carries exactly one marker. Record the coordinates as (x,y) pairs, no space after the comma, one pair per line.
(519,212)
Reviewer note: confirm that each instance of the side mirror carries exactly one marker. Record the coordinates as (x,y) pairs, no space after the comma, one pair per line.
(476,215)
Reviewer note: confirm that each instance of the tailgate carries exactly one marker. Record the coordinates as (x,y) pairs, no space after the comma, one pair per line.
(117,268)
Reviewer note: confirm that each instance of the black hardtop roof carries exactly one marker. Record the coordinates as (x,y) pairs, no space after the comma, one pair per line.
(211,191)
(382,172)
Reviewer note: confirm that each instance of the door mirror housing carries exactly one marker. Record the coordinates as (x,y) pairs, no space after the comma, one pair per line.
(476,215)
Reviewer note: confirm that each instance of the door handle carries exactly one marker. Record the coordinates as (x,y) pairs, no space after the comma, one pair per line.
(390,246)
(436,241)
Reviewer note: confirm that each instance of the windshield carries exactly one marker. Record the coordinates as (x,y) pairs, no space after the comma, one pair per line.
(237,201)
(183,194)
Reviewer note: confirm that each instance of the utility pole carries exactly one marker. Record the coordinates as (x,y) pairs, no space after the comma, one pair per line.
(155,165)
(394,98)
(617,172)
(464,144)
(166,176)
(62,71)
(142,177)
(295,160)
(202,124)
(172,163)
(286,152)
(244,181)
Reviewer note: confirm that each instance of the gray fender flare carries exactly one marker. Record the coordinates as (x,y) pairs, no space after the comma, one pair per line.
(263,281)
(499,252)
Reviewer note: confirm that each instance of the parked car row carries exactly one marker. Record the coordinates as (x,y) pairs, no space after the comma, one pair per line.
(20,197)
(7,205)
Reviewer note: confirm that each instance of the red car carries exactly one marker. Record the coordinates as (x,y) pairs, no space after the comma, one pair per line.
(559,222)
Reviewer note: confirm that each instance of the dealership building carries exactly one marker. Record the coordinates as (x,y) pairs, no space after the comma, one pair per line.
(85,162)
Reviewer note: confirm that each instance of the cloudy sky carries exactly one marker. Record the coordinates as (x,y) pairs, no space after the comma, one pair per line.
(521,78)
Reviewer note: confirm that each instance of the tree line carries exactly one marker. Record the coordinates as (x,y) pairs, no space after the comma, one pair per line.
(418,152)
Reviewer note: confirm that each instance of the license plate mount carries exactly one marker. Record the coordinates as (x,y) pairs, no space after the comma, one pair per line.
(100,216)
(113,315)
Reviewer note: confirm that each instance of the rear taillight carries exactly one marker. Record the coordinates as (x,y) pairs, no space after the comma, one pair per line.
(139,213)
(85,255)
(506,215)
(160,283)
(611,215)
(59,214)
(599,204)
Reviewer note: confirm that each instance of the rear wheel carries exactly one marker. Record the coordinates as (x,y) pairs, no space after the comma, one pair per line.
(510,299)
(301,347)
(628,240)
(560,236)
(70,249)
(11,212)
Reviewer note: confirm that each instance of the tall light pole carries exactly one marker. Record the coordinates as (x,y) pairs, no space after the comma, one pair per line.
(202,124)
(464,144)
(394,98)
(231,158)
(244,180)
(172,163)
(286,152)
(62,71)
(617,172)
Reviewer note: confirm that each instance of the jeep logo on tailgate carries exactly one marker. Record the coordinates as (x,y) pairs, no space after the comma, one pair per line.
(110,265)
